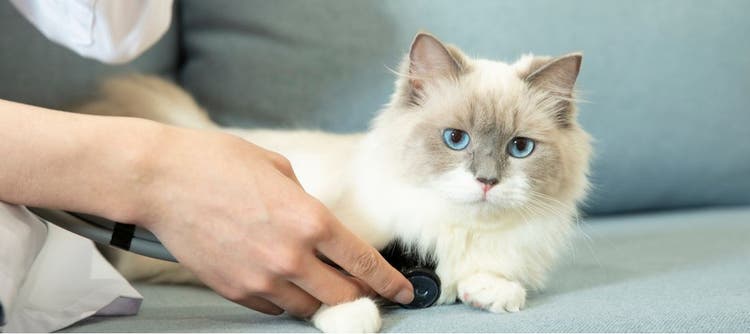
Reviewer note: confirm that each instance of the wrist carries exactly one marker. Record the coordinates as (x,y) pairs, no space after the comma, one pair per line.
(129,167)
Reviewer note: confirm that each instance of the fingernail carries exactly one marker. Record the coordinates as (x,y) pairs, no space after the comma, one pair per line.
(405,296)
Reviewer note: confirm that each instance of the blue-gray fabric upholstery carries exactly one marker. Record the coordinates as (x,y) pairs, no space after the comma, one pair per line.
(664,272)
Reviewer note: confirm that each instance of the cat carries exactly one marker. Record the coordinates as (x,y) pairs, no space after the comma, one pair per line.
(477,164)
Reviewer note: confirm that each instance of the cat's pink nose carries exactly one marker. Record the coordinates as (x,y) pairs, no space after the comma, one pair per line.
(490,182)
(487,183)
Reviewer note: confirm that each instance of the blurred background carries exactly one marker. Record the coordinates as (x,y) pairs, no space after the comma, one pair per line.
(668,90)
(667,82)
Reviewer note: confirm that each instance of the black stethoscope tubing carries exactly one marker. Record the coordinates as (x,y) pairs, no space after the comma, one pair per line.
(107,232)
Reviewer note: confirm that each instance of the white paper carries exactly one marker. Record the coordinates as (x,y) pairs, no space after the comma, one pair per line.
(68,281)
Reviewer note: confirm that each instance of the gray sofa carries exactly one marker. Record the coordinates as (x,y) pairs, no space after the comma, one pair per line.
(665,242)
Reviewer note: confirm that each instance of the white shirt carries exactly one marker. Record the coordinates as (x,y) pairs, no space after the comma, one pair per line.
(111,31)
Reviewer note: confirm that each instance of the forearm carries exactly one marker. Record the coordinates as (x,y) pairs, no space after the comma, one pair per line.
(74,162)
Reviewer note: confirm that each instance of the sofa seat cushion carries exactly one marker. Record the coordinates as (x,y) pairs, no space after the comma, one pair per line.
(685,271)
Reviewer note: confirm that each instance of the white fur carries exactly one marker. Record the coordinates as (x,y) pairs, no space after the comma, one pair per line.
(493,293)
(359,316)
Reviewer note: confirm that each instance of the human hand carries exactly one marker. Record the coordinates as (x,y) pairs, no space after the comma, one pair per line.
(235,215)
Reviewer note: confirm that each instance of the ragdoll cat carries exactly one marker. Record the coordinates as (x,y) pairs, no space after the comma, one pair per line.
(475,163)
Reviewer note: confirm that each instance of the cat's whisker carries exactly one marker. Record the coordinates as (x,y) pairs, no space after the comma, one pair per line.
(411,76)
(535,205)
(558,212)
(587,239)
(398,73)
(547,197)
(537,211)
(523,213)
(561,207)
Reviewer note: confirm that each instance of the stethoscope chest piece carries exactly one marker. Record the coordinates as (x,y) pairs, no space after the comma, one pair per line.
(419,270)
(426,287)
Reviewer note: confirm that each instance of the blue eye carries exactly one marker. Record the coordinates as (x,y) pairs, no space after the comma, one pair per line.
(521,147)
(455,139)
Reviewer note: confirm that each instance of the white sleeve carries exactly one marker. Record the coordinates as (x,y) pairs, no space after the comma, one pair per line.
(22,237)
(111,31)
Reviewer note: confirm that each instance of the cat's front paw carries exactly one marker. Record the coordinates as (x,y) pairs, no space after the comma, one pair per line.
(492,293)
(359,316)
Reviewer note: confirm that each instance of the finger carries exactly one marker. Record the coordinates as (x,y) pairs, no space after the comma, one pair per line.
(329,285)
(364,262)
(366,289)
(283,165)
(291,175)
(294,300)
(261,305)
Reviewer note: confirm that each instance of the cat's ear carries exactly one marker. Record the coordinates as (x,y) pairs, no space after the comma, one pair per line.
(430,59)
(557,76)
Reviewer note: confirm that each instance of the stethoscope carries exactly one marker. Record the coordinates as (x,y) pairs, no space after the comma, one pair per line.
(128,237)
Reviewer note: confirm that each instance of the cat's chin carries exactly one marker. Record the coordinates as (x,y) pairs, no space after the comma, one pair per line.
(497,203)
(485,209)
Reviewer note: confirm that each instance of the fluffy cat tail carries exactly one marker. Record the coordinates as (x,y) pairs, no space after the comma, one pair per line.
(147,97)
